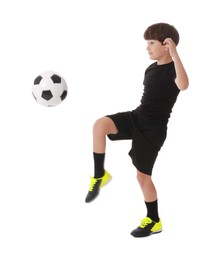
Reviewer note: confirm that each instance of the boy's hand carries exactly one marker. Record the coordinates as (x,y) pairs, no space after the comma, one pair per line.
(181,80)
(170,46)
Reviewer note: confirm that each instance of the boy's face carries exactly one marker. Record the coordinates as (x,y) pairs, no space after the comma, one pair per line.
(156,50)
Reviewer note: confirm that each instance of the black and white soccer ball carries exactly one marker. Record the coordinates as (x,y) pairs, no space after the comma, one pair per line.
(49,89)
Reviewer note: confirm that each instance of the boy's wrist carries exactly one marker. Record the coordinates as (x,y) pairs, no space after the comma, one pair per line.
(175,56)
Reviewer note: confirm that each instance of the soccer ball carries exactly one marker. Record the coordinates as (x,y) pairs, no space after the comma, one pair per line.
(49,89)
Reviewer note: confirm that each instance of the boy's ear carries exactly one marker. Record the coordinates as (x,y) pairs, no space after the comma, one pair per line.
(165,45)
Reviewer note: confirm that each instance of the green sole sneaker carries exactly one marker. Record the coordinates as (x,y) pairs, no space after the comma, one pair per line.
(95,185)
(147,228)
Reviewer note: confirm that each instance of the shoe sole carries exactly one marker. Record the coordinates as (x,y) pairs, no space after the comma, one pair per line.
(153,233)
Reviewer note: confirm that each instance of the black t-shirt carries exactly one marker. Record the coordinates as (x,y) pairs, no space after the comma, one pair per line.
(160,94)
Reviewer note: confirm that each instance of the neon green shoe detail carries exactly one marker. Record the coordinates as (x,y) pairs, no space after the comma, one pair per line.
(93,183)
(96,184)
(147,227)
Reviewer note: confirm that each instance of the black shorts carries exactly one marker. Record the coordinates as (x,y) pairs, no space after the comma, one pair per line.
(147,139)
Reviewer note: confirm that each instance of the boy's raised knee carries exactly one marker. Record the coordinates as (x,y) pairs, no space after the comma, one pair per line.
(105,126)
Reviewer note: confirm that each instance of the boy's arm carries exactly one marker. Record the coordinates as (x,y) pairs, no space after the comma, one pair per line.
(181,80)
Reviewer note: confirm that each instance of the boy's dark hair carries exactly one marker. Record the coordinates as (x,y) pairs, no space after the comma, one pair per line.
(161,31)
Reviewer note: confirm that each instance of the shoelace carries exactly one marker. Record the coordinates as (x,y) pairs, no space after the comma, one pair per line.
(92,184)
(145,222)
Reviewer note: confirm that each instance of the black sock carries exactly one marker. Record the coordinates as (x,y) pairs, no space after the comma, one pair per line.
(152,210)
(99,159)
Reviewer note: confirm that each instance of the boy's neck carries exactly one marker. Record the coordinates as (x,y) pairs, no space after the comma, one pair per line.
(164,60)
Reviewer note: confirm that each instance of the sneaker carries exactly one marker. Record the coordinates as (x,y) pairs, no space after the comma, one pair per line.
(95,186)
(147,228)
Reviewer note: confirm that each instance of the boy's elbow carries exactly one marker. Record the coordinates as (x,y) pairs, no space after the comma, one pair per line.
(183,85)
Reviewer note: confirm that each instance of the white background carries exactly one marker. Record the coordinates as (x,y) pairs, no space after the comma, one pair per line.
(46,153)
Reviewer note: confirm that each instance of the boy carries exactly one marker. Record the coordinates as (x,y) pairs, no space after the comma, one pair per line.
(146,125)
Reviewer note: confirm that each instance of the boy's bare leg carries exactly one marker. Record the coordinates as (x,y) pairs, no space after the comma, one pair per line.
(101,128)
(150,195)
(147,186)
